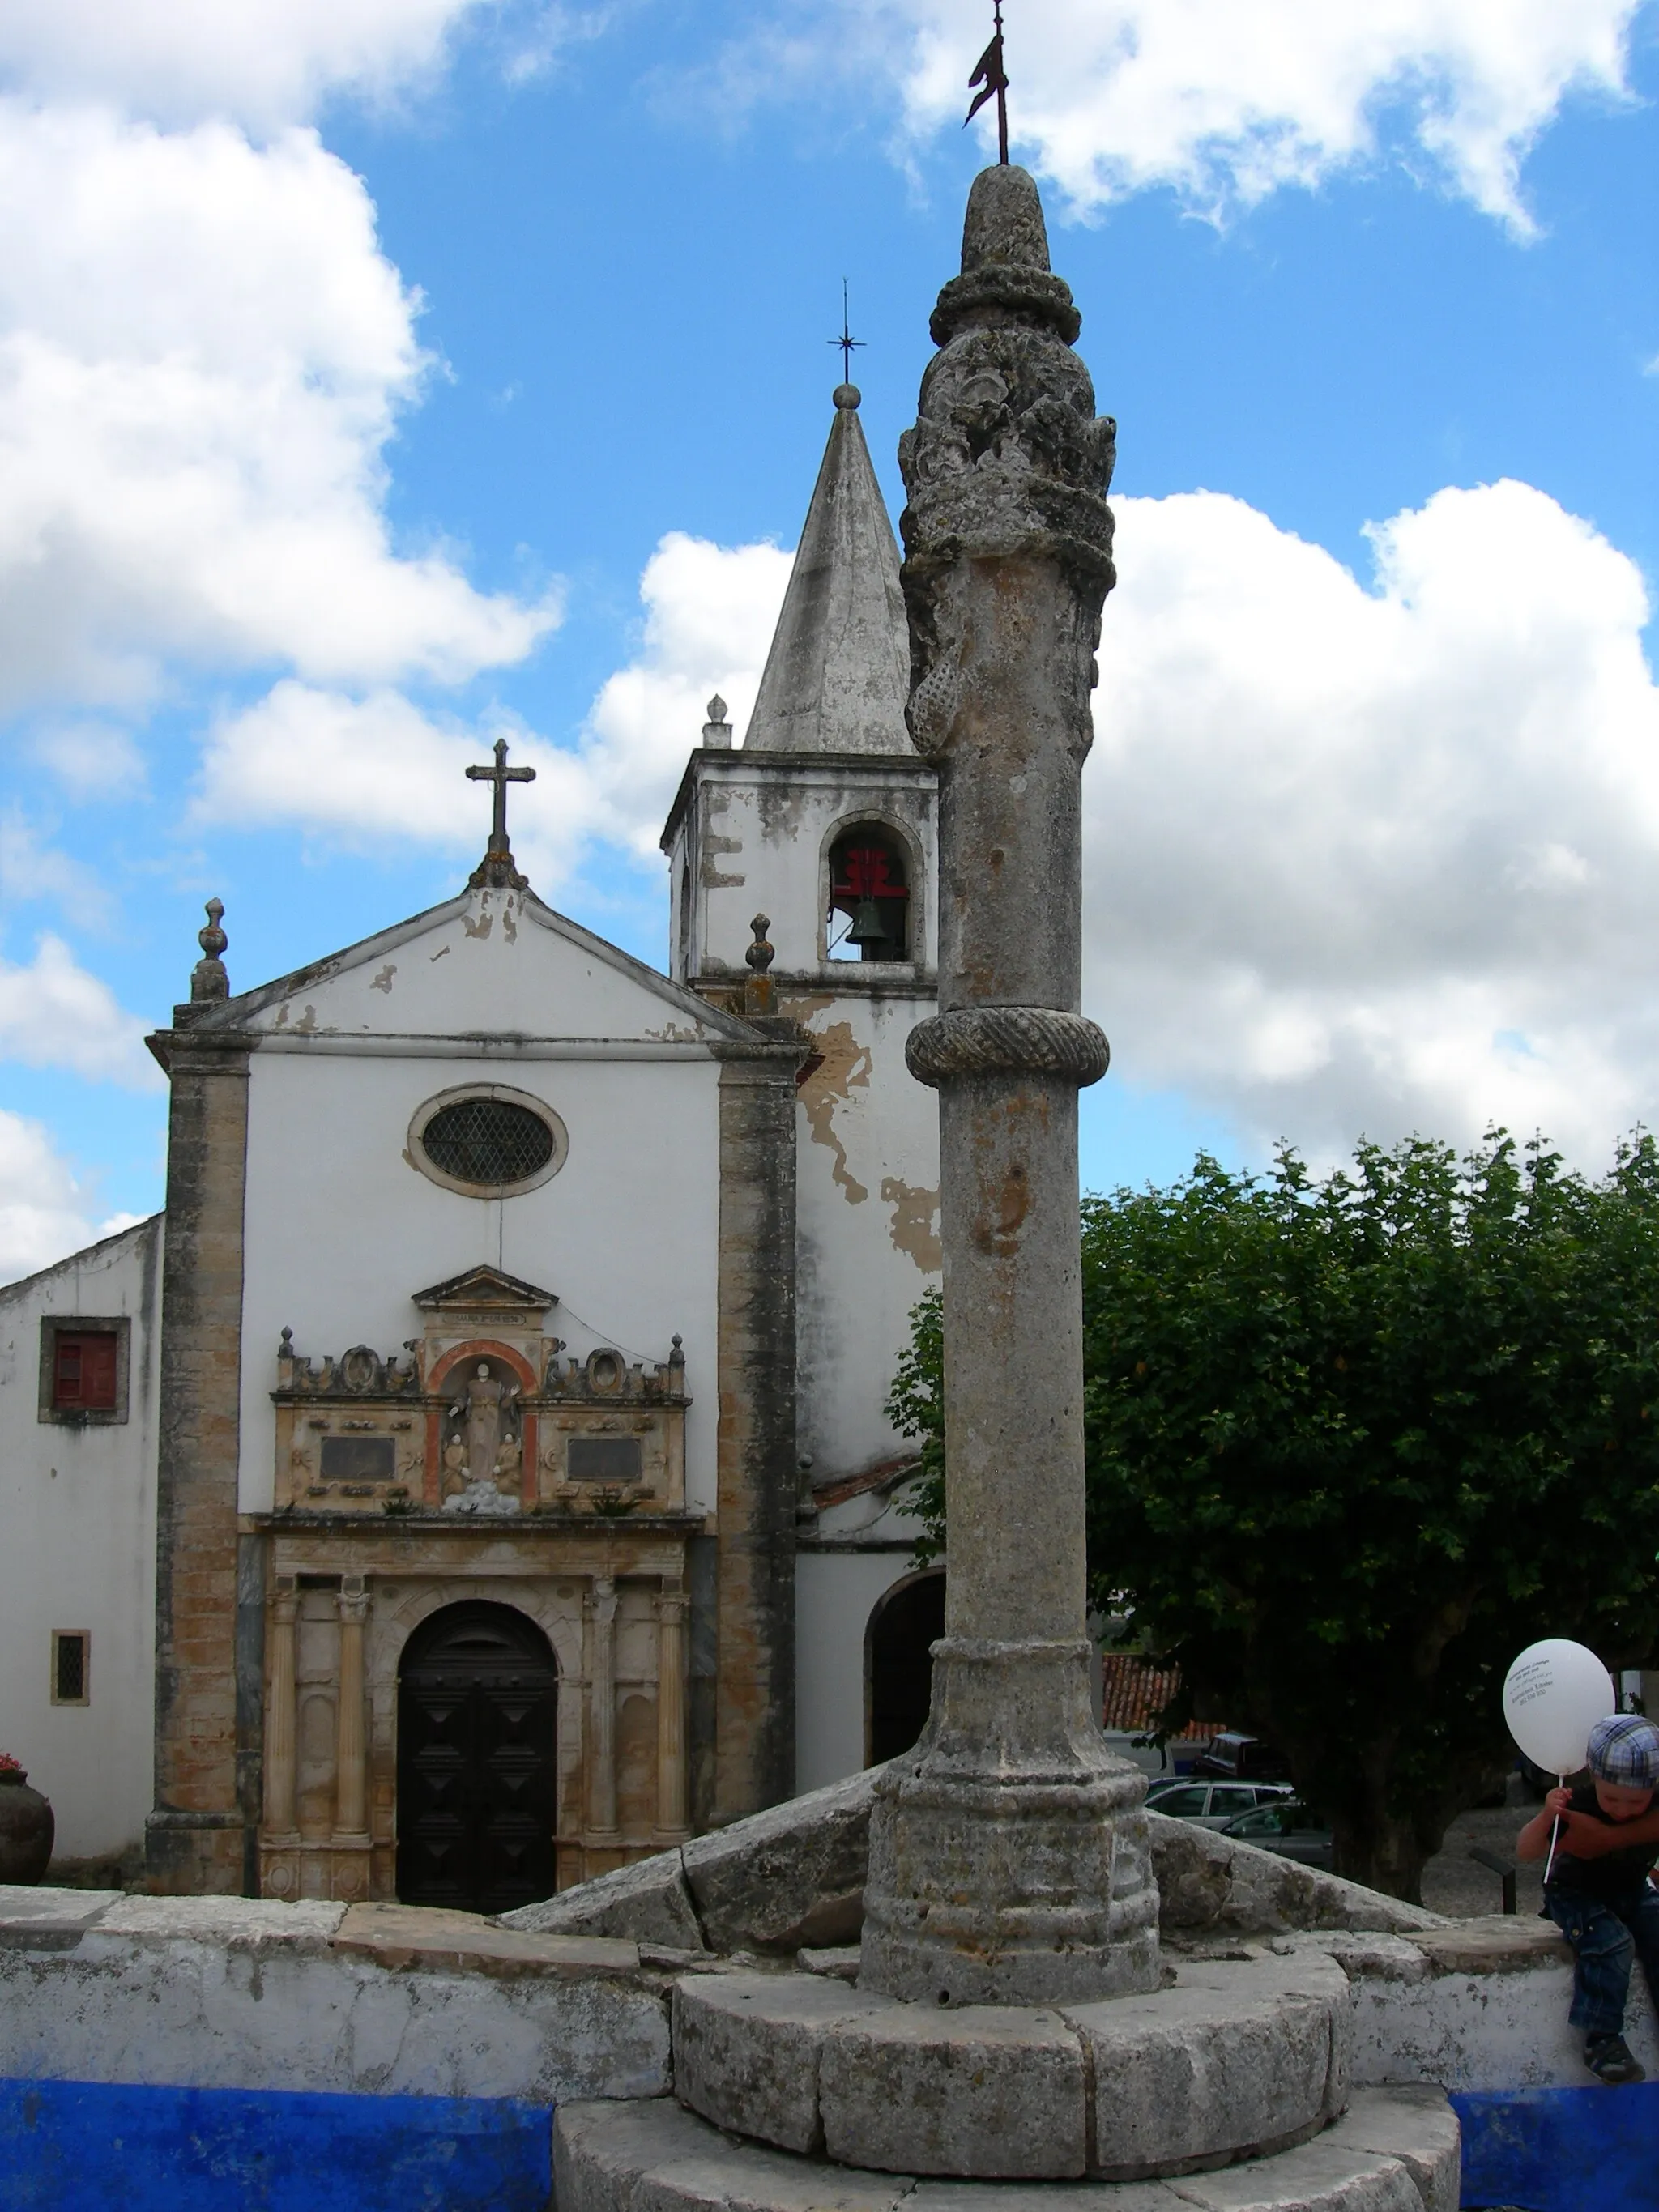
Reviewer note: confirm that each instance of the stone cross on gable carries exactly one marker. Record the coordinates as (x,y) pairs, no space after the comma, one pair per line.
(500,775)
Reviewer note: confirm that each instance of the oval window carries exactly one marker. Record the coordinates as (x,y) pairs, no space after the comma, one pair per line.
(487,1142)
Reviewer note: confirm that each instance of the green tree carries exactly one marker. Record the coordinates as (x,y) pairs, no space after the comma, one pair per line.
(1353,1443)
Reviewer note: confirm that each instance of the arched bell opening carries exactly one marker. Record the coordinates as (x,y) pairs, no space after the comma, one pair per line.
(904,1625)
(478,1711)
(869,916)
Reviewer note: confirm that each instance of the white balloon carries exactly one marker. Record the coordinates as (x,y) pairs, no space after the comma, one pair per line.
(1553,1696)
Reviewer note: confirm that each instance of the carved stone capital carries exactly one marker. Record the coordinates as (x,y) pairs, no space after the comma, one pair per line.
(1007,457)
(1012,1040)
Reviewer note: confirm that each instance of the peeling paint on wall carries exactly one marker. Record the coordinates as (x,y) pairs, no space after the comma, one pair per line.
(480,928)
(915,1225)
(383,980)
(843,1063)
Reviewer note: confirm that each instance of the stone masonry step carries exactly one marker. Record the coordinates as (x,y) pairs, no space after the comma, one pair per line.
(1238,2057)
(1395,2150)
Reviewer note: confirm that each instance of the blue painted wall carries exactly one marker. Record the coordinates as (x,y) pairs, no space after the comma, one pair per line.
(1562,2150)
(88,2147)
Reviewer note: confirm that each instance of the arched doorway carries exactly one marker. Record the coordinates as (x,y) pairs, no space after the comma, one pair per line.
(898,1662)
(478,1699)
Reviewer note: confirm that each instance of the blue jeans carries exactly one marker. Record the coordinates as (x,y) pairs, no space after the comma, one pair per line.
(1607,1934)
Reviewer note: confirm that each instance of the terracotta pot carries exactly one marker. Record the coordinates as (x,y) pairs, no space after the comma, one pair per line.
(27,1828)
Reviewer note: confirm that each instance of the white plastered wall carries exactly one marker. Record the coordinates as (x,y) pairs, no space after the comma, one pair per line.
(77,1507)
(341,1231)
(756,838)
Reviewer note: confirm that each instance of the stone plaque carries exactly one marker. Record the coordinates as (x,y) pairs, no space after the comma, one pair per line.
(359,1459)
(604,1459)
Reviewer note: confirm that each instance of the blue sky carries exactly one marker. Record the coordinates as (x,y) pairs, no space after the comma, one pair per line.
(386,375)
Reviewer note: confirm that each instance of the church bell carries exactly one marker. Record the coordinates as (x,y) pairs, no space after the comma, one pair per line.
(867,924)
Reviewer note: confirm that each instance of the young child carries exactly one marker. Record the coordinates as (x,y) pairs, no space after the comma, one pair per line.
(1598,1893)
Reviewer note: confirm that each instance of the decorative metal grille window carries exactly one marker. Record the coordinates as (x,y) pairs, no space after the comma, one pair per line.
(68,1666)
(488,1140)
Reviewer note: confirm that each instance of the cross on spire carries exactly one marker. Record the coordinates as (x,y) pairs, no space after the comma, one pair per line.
(497,868)
(993,80)
(849,344)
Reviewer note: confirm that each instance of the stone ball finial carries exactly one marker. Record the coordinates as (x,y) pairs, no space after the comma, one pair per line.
(760,955)
(1004,226)
(208,979)
(717,731)
(846,396)
(717,708)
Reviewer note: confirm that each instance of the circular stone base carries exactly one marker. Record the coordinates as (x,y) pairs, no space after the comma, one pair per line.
(1396,2150)
(1237,2058)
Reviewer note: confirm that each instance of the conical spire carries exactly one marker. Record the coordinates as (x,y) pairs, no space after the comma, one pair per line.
(839,671)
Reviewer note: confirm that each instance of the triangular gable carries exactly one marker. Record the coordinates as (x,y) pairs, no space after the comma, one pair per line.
(492,961)
(483,1289)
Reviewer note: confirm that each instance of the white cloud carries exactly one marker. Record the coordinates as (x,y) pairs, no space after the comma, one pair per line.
(54,1014)
(43,1215)
(360,768)
(265,61)
(202,354)
(1378,860)
(709,614)
(95,760)
(1226,101)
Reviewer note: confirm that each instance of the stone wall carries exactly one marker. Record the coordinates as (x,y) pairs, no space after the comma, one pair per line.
(386,2000)
(240,1993)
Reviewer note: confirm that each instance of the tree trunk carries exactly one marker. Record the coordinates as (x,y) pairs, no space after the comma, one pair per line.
(1383,1852)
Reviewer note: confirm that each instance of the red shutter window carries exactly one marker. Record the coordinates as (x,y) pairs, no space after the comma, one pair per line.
(83,1371)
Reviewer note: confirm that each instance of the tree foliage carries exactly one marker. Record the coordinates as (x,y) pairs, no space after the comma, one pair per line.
(1353,1443)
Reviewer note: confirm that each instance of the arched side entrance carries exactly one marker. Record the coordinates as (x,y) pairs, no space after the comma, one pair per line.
(477,1701)
(898,1662)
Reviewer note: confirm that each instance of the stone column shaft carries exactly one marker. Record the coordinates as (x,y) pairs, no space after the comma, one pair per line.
(602,1784)
(1008,1856)
(281,1773)
(350,1748)
(670,1710)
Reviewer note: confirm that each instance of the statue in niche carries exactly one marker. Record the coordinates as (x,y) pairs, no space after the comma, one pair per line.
(483,1449)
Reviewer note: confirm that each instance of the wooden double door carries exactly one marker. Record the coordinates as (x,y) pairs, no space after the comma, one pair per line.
(477,1708)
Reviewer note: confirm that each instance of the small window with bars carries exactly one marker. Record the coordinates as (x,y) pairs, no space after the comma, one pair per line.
(71,1670)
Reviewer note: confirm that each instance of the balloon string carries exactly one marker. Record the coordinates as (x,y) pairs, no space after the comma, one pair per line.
(1555,1829)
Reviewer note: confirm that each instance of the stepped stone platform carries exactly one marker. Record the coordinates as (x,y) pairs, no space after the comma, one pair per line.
(1395,2150)
(1232,2059)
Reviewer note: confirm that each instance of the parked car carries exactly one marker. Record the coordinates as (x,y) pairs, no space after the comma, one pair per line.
(1241,1759)
(1292,1829)
(1212,1804)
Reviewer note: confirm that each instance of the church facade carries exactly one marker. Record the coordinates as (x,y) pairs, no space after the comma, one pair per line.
(479,1475)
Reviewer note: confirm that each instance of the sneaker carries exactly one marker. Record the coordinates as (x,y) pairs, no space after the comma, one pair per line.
(1608,2059)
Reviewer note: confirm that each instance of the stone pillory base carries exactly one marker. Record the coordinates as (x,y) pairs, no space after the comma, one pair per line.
(1011,2018)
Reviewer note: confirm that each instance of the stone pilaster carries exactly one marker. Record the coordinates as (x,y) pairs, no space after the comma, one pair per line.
(350,1746)
(755,1696)
(200,1837)
(670,1710)
(602,1703)
(1008,1856)
(280,1775)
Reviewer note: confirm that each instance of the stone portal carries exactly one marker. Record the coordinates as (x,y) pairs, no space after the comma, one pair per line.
(477,1707)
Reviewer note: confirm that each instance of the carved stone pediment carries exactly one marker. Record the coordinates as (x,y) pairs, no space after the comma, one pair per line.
(485,1289)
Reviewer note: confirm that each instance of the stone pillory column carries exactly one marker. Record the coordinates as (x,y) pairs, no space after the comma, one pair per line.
(1008,1853)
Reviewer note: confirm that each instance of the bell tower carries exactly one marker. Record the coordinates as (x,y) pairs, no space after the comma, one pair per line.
(818,839)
